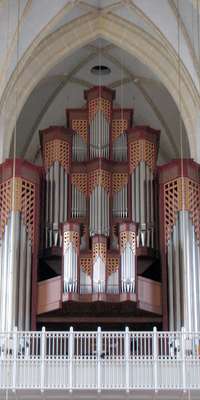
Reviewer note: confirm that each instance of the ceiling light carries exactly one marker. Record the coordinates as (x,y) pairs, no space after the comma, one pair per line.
(100,70)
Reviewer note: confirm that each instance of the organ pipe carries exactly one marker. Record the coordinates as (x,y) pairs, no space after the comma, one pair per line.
(127,237)
(99,211)
(71,249)
(78,203)
(18,244)
(79,148)
(120,148)
(56,150)
(143,149)
(99,255)
(99,136)
(180,233)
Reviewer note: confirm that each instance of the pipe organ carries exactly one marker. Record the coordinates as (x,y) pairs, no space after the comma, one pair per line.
(104,203)
(19,221)
(180,234)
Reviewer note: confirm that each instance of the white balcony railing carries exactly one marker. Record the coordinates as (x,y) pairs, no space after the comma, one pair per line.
(100,360)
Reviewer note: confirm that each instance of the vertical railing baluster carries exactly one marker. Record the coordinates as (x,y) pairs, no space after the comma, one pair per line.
(127,356)
(99,359)
(183,358)
(14,350)
(155,356)
(71,354)
(42,355)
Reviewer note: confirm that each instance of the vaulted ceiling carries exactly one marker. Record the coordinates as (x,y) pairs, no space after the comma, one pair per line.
(29,22)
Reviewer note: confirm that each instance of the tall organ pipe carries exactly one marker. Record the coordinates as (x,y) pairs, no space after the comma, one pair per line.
(143,149)
(56,145)
(71,249)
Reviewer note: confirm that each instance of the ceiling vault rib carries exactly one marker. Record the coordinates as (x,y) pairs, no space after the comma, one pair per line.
(136,10)
(186,36)
(14,39)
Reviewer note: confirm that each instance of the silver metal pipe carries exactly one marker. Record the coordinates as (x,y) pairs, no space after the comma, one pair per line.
(1,271)
(51,174)
(176,277)
(171,284)
(47,210)
(61,195)
(3,278)
(28,287)
(56,203)
(198,282)
(185,270)
(194,279)
(22,277)
(65,196)
(13,276)
(152,207)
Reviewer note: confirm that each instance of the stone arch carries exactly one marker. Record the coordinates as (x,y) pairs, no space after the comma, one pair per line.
(159,56)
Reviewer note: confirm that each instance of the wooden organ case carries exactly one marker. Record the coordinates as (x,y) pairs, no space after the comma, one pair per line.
(99,258)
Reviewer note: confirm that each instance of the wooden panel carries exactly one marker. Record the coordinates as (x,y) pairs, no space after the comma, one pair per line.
(49,295)
(149,295)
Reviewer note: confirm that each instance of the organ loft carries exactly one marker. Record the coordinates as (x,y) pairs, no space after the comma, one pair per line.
(95,235)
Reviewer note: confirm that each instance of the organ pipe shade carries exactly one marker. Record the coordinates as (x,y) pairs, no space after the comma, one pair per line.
(71,249)
(99,255)
(143,149)
(19,223)
(127,237)
(180,233)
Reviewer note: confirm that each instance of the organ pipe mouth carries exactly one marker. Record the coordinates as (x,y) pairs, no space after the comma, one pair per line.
(100,70)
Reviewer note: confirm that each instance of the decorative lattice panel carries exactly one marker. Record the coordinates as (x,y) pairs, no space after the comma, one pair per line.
(118,127)
(86,265)
(28,205)
(118,181)
(99,250)
(128,236)
(181,194)
(101,178)
(5,203)
(71,237)
(142,150)
(81,127)
(100,104)
(18,194)
(112,265)
(57,150)
(80,181)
